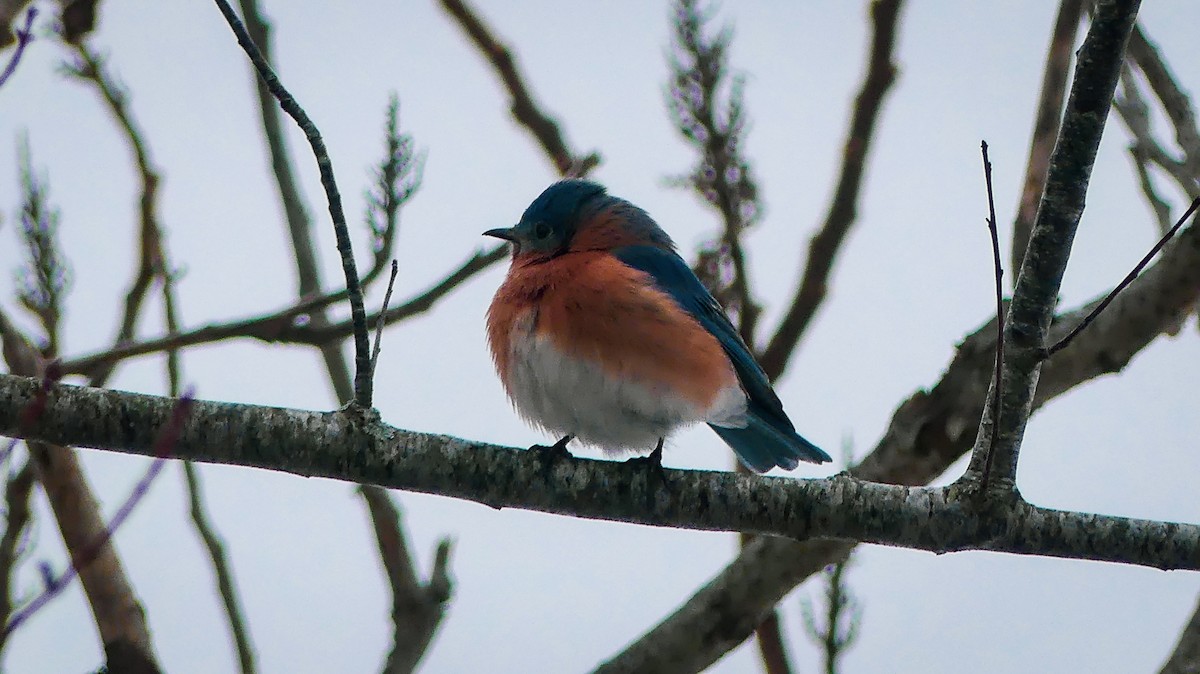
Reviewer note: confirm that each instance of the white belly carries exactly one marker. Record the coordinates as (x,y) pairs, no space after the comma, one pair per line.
(570,396)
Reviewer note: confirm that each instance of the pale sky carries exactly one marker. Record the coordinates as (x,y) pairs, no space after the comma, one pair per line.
(538,592)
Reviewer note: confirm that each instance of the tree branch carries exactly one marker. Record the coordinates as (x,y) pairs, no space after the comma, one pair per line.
(362,341)
(928,432)
(339,446)
(1036,293)
(282,326)
(825,244)
(1045,122)
(524,110)
(417,608)
(221,568)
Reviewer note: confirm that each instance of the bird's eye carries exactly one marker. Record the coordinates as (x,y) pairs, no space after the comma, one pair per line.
(541,231)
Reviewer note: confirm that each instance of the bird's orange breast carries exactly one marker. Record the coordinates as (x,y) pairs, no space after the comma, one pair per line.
(591,306)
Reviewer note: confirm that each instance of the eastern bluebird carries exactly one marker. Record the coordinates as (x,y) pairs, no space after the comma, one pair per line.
(601,332)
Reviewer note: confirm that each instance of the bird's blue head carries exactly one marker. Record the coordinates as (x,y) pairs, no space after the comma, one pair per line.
(550,225)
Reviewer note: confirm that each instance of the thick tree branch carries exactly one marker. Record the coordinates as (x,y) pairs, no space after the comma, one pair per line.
(825,244)
(340,446)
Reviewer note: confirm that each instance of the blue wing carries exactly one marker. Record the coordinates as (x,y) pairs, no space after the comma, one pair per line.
(769,439)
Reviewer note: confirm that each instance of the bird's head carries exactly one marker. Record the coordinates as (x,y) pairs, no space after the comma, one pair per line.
(576,215)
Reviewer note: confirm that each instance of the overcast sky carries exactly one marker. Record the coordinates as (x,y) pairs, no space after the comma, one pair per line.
(545,593)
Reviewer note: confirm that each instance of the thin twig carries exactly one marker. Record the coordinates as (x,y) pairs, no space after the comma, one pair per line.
(362,341)
(1175,102)
(387,297)
(1137,269)
(90,68)
(1131,106)
(997,378)
(225,583)
(1055,75)
(281,326)
(825,245)
(525,111)
(24,37)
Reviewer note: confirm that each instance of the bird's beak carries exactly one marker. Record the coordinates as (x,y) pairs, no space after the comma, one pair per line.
(506,233)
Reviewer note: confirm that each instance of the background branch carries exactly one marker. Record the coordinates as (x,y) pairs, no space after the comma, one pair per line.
(1045,123)
(843,208)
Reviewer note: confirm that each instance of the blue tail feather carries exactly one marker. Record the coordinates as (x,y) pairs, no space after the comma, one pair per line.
(762,446)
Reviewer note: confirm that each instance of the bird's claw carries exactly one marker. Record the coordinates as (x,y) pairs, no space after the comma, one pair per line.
(552,454)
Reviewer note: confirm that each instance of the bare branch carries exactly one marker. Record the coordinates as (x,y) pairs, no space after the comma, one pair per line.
(362,340)
(1045,122)
(90,68)
(417,607)
(23,36)
(525,111)
(1145,149)
(1175,102)
(225,582)
(1137,269)
(1038,282)
(281,326)
(17,491)
(824,247)
(340,446)
(397,178)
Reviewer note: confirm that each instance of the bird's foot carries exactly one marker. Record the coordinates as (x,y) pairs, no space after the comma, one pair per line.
(552,454)
(652,465)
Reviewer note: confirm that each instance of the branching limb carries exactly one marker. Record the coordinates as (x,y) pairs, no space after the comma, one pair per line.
(396,179)
(282,326)
(417,607)
(825,244)
(90,68)
(1038,282)
(225,583)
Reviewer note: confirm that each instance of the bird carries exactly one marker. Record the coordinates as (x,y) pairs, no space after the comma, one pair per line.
(601,333)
